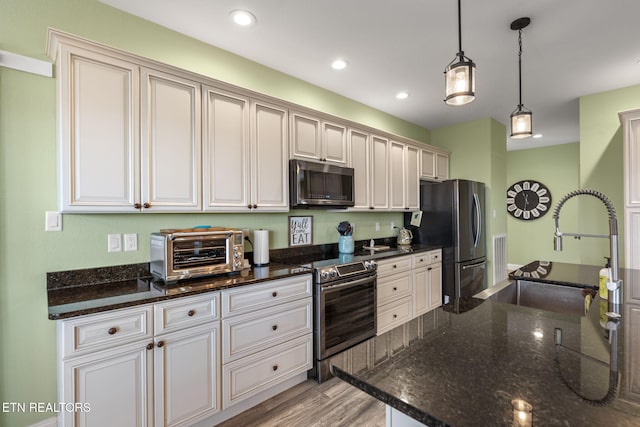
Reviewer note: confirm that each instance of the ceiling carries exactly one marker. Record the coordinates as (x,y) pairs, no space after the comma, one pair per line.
(572,48)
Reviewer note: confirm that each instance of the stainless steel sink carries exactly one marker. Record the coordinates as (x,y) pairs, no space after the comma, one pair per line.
(544,296)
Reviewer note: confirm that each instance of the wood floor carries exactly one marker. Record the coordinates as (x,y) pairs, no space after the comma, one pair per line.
(333,403)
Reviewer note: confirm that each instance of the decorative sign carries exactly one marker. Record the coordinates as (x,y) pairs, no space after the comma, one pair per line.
(300,230)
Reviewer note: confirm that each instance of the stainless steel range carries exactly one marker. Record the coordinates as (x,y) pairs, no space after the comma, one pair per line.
(345,308)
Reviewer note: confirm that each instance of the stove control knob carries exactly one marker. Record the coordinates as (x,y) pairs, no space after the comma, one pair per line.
(334,273)
(324,275)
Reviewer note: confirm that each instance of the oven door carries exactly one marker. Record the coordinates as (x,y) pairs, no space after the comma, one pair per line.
(345,314)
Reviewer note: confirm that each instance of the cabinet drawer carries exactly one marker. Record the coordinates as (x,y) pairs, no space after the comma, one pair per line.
(105,330)
(390,266)
(247,299)
(435,256)
(394,314)
(185,312)
(394,287)
(426,258)
(246,334)
(251,375)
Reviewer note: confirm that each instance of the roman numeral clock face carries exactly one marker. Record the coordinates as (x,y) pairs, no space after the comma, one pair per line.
(528,200)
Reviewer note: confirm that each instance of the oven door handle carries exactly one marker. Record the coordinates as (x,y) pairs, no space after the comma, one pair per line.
(347,284)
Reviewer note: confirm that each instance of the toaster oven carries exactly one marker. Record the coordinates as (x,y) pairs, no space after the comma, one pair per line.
(196,252)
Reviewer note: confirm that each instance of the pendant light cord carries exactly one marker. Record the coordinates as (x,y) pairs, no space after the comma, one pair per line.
(460,52)
(520,69)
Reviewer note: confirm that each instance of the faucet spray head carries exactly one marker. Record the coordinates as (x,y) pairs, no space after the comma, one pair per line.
(557,241)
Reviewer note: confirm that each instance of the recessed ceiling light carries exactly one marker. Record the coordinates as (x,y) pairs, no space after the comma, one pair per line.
(402,95)
(243,18)
(537,135)
(339,64)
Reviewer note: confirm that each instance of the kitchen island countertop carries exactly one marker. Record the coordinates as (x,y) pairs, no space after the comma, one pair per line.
(469,369)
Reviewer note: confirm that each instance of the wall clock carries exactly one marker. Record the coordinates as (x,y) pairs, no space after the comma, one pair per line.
(528,199)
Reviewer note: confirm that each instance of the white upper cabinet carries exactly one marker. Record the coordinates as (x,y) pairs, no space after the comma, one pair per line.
(269,157)
(318,140)
(226,151)
(434,165)
(379,172)
(98,132)
(412,177)
(405,180)
(171,143)
(360,161)
(245,162)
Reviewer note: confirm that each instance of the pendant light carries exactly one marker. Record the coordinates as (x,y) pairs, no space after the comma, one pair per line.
(460,76)
(521,118)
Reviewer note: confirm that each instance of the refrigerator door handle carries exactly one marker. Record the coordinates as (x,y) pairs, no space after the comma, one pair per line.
(476,205)
(477,264)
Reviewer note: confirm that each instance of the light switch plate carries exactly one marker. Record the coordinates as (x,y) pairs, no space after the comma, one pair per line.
(52,221)
(114,242)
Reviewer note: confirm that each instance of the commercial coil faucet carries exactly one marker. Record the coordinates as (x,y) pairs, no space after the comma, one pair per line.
(614,285)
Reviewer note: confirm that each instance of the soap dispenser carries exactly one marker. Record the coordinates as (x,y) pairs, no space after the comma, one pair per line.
(605,273)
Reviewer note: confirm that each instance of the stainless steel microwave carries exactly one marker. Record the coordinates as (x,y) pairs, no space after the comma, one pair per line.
(197,252)
(314,184)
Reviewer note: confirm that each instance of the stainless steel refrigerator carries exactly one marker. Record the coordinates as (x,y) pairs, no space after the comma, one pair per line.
(453,217)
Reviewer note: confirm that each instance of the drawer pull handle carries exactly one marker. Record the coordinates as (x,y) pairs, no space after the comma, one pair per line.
(429,269)
(150,346)
(112,331)
(274,327)
(274,367)
(160,344)
(191,313)
(274,294)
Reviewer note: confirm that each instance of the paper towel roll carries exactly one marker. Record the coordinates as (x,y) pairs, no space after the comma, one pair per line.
(261,247)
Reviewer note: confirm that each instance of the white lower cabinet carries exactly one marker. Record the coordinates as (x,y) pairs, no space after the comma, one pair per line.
(267,336)
(408,286)
(162,364)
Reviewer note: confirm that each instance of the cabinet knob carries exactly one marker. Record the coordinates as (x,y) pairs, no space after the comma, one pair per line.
(146,205)
(255,206)
(274,367)
(395,266)
(395,316)
(249,206)
(429,268)
(137,205)
(150,346)
(112,331)
(191,313)
(160,344)
(274,327)
(371,207)
(421,259)
(395,289)
(274,294)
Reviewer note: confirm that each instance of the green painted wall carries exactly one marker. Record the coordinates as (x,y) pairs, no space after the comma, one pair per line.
(28,177)
(478,153)
(601,165)
(557,167)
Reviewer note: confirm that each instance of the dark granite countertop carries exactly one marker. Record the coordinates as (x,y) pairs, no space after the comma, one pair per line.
(78,292)
(467,371)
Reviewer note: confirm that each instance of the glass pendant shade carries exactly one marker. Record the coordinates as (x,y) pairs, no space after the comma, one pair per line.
(460,81)
(521,124)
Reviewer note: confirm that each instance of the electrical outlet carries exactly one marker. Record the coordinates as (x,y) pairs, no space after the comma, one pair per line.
(377,226)
(131,242)
(114,242)
(393,225)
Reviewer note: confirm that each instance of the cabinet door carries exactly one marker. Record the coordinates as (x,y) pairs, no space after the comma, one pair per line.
(412,178)
(226,151)
(186,366)
(334,143)
(421,294)
(269,185)
(359,160)
(435,285)
(442,166)
(396,175)
(98,139)
(305,137)
(171,143)
(427,164)
(379,172)
(116,384)
(631,130)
